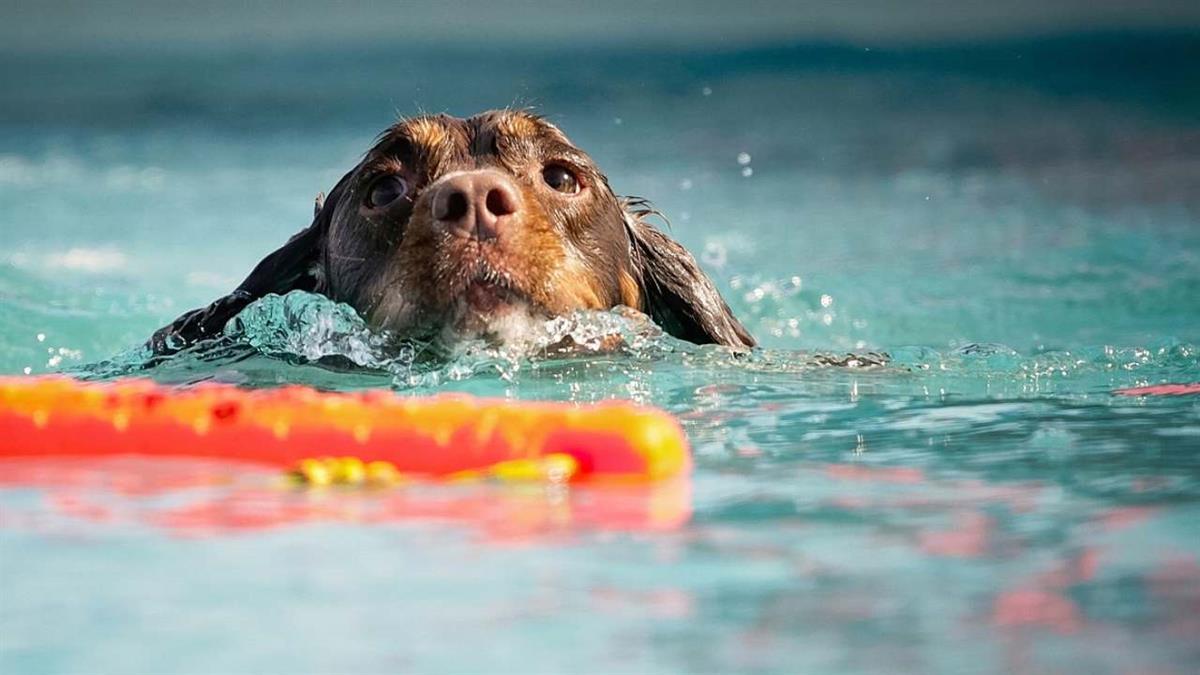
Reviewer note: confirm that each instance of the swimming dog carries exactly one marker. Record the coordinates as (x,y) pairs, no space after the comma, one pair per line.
(453,229)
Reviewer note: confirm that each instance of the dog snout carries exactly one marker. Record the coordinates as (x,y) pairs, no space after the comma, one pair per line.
(476,204)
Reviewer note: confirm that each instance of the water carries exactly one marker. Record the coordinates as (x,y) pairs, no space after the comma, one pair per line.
(1016,224)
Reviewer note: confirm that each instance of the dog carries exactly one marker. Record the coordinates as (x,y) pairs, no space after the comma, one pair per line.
(455,229)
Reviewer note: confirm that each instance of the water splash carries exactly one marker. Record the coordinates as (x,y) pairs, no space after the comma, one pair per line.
(323,336)
(311,328)
(306,338)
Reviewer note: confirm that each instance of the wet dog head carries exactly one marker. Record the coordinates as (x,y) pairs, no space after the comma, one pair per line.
(473,228)
(455,228)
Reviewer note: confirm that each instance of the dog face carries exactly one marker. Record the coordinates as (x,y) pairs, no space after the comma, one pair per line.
(453,229)
(476,228)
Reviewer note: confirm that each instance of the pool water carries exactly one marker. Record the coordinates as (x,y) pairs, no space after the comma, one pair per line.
(1016,224)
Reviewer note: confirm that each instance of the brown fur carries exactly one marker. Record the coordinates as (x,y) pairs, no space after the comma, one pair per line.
(401,269)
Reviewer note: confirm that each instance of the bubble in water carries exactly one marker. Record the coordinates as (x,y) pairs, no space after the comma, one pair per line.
(743,158)
(714,254)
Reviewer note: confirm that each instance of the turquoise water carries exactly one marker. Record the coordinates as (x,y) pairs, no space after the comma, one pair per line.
(1016,224)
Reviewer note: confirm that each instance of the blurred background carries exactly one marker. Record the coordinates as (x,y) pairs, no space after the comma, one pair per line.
(56,25)
(856,175)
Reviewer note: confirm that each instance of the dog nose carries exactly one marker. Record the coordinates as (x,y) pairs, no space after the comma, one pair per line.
(476,204)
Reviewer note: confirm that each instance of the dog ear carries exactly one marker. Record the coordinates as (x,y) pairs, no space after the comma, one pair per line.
(675,292)
(297,265)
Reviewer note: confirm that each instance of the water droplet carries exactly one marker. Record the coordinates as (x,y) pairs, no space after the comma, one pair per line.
(617,121)
(826,300)
(747,172)
(743,158)
(685,184)
(41,337)
(27,370)
(707,91)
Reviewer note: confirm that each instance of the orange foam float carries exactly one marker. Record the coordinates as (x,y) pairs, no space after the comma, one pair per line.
(438,437)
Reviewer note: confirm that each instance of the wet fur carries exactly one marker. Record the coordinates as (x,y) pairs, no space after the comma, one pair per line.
(393,265)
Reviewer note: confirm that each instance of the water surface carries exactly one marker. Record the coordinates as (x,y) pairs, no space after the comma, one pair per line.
(1016,224)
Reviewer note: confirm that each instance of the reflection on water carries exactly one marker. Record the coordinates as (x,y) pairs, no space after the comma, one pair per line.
(1029,536)
(835,522)
(209,498)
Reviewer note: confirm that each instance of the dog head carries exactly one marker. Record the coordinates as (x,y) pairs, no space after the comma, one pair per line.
(452,229)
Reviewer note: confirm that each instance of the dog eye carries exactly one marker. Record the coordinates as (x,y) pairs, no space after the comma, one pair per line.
(560,178)
(386,190)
